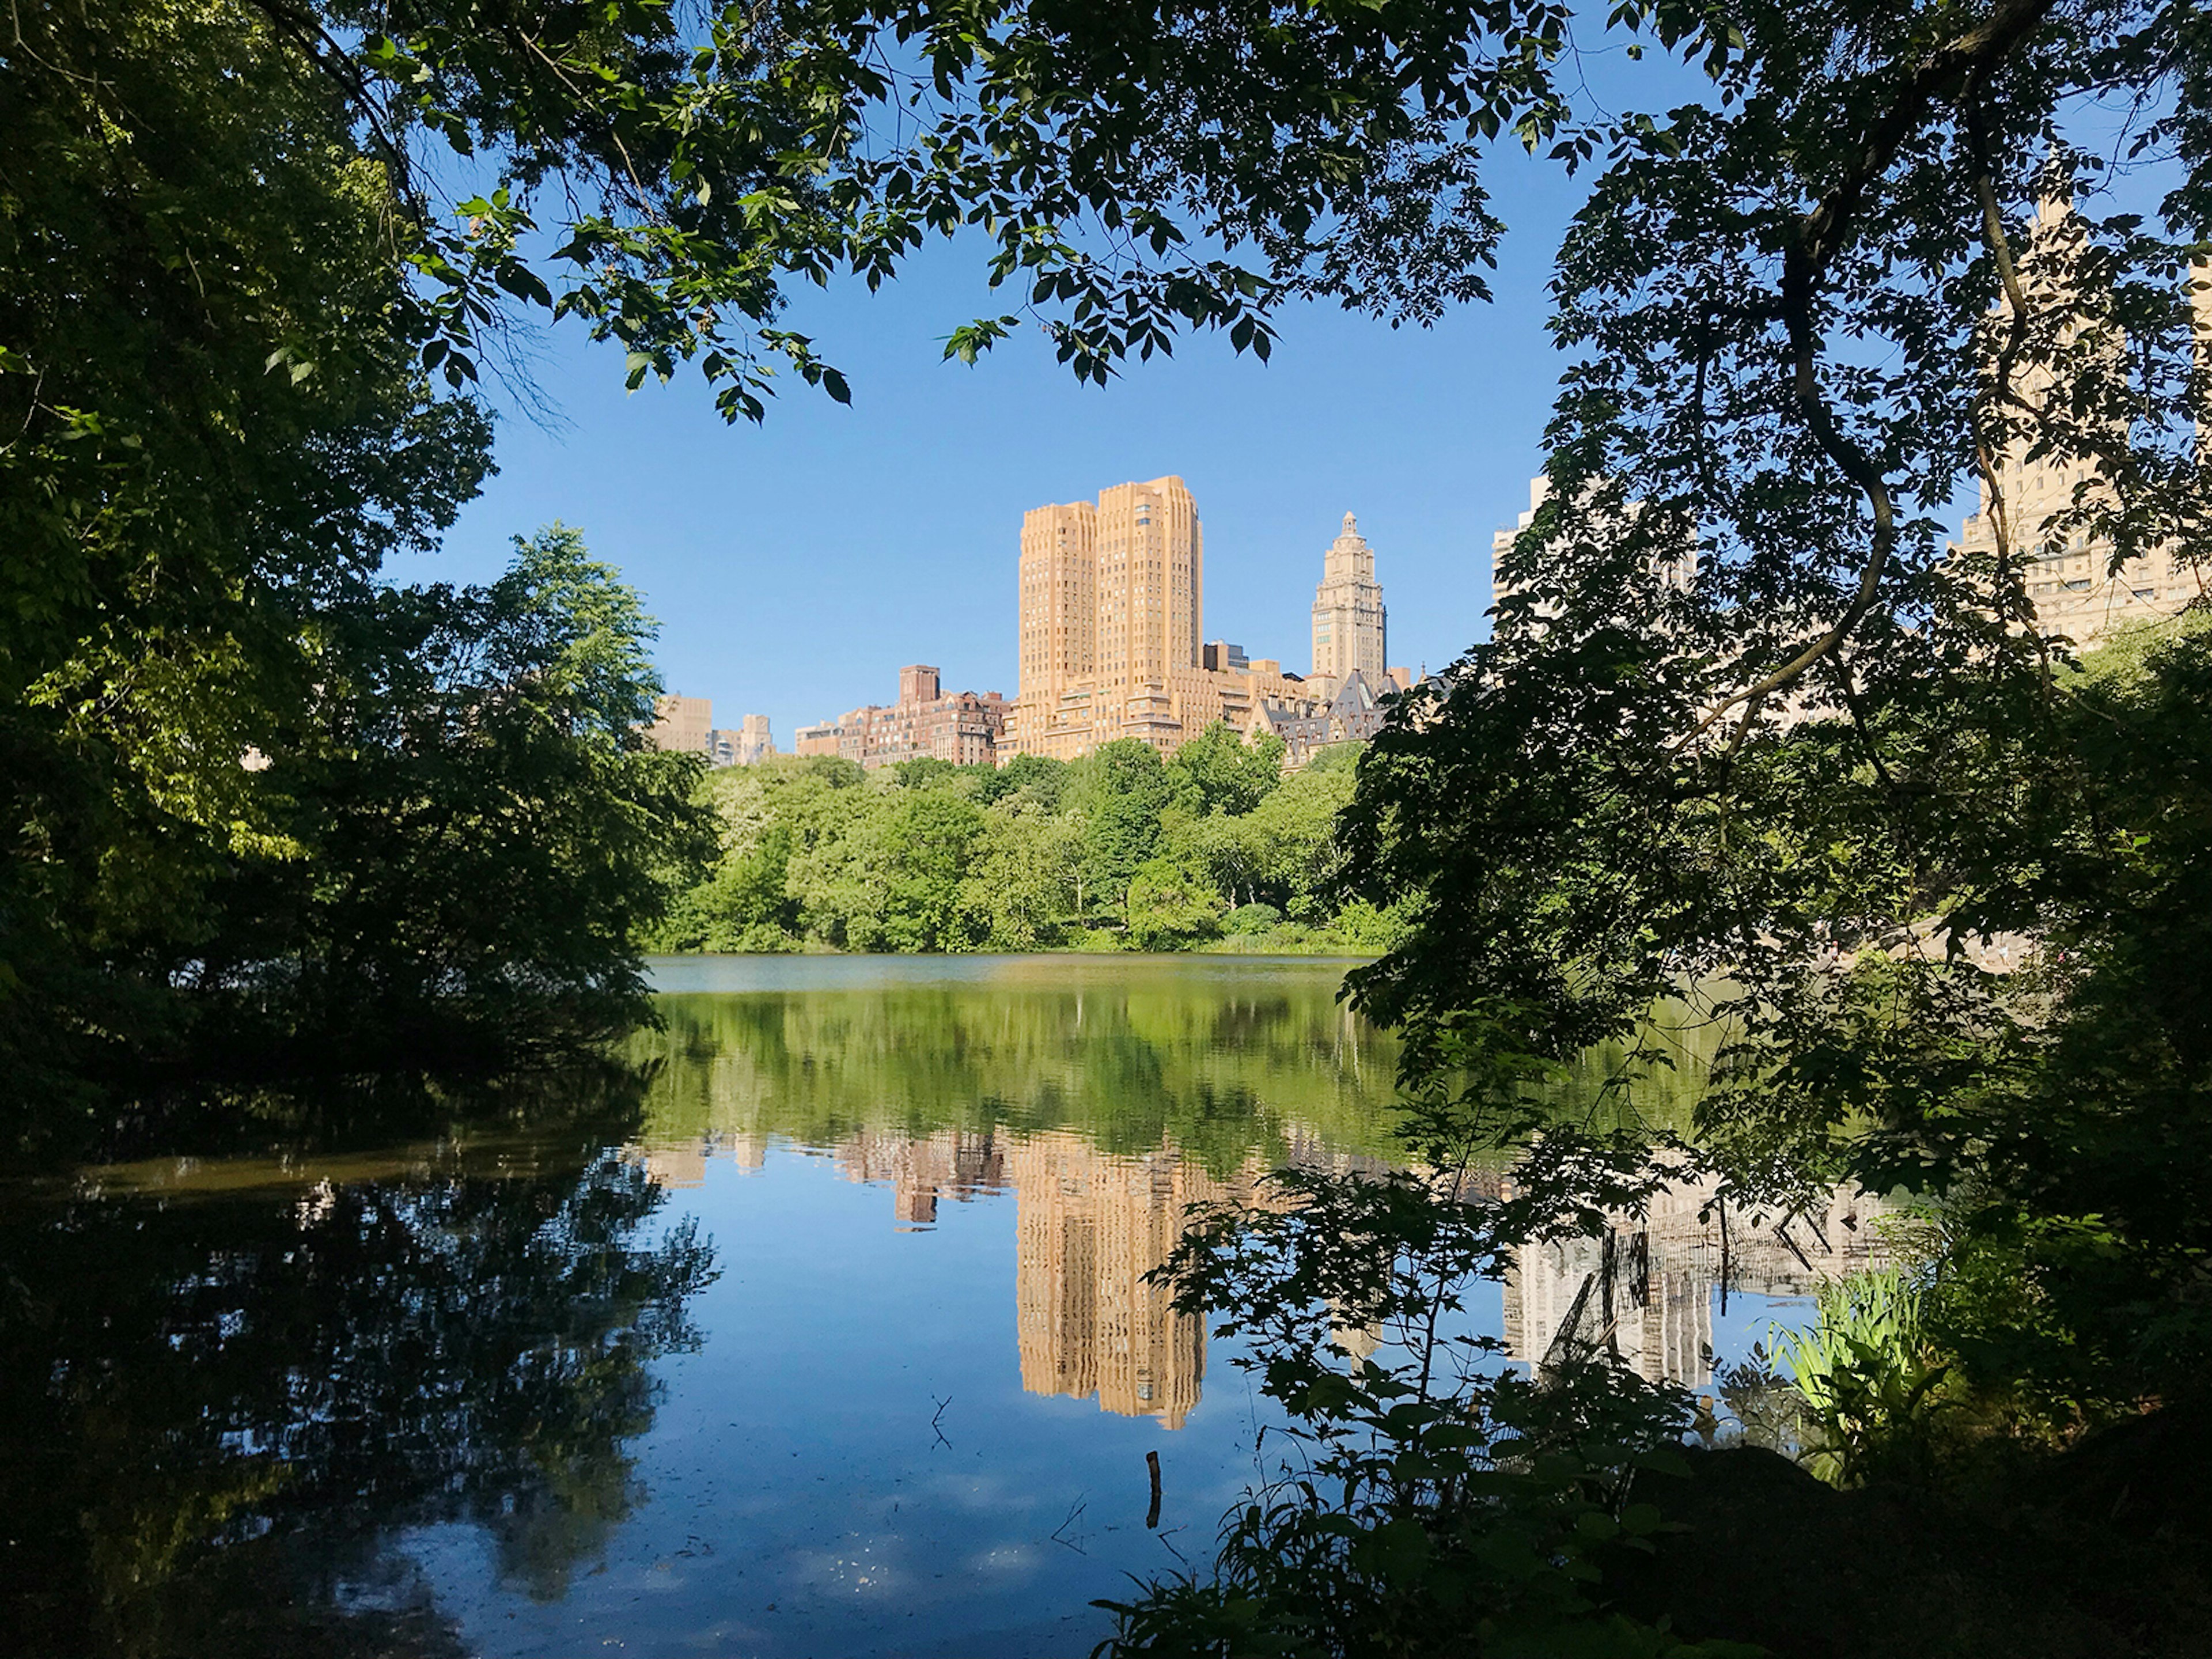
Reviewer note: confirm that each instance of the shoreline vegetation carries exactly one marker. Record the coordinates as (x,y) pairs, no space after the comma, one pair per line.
(1216,848)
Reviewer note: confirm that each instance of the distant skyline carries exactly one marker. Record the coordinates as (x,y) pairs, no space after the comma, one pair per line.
(794,569)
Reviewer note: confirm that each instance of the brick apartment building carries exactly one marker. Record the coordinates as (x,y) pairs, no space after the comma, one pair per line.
(964,728)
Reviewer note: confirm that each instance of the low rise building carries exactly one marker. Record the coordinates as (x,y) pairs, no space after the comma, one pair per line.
(748,746)
(964,728)
(681,725)
(1353,714)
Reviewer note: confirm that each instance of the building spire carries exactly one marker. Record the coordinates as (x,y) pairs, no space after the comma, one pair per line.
(1347,614)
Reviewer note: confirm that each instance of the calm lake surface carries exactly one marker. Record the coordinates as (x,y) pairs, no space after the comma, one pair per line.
(838,1345)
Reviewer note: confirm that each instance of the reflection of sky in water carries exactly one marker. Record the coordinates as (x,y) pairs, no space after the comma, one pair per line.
(916,1418)
(800,1498)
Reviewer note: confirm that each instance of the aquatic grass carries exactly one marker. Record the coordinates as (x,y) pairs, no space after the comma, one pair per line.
(1870,1378)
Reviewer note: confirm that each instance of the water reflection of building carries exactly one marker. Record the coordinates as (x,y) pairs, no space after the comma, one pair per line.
(1643,1289)
(684,1163)
(959,1164)
(1091,1226)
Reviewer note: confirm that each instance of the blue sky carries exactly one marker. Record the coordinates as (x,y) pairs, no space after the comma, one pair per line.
(795,567)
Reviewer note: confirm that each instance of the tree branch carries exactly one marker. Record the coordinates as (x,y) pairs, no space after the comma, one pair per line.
(1820,236)
(335,63)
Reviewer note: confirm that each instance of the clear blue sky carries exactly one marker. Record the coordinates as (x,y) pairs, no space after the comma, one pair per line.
(795,567)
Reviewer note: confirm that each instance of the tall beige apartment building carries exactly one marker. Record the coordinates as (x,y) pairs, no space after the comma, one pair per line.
(1677,572)
(1113,622)
(1350,628)
(749,745)
(2070,580)
(686,725)
(1501,543)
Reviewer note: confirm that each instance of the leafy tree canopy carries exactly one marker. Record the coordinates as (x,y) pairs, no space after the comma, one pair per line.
(1750,724)
(1104,852)
(1225,774)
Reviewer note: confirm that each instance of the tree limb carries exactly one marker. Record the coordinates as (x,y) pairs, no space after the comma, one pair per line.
(1820,236)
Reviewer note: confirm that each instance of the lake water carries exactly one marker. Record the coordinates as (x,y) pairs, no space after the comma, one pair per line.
(838,1343)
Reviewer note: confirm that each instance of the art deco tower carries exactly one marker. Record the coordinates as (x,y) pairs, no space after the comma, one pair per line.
(1348,622)
(1150,581)
(1059,596)
(1115,592)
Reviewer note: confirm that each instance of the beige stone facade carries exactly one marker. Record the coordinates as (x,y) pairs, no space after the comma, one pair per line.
(1112,610)
(1350,627)
(749,744)
(1678,572)
(683,724)
(2075,592)
(1501,544)
(686,725)
(964,728)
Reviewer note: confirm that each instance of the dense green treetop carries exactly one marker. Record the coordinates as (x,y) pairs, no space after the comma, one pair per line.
(1116,850)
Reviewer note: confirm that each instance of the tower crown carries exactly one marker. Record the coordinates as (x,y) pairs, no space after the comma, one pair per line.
(1348,625)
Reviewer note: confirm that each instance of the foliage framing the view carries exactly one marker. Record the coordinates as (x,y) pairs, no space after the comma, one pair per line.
(257,253)
(1750,727)
(1822,773)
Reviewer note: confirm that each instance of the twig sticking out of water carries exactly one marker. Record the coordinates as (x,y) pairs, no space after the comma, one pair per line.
(1074,1514)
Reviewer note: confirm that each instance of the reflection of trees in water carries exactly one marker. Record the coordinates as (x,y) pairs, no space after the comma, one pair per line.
(1652,1083)
(218,1413)
(1225,1070)
(1134,1088)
